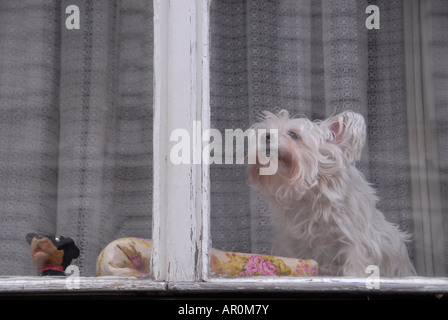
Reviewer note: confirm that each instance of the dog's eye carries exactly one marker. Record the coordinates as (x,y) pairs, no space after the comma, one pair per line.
(57,239)
(293,135)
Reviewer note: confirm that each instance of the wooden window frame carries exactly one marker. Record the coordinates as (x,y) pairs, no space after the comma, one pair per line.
(181,205)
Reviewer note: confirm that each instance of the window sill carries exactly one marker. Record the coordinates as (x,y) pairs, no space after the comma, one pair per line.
(240,286)
(50,285)
(320,284)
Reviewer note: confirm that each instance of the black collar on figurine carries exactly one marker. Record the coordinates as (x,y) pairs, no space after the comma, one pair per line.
(51,270)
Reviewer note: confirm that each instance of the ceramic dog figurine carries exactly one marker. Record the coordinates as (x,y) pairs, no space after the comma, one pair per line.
(51,255)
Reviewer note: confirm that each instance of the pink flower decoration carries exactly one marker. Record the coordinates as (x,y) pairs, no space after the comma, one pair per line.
(304,269)
(268,269)
(256,264)
(251,268)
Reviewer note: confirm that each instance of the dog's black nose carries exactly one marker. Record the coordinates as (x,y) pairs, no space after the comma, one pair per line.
(30,236)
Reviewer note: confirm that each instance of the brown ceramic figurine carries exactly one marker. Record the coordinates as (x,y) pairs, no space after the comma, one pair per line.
(51,255)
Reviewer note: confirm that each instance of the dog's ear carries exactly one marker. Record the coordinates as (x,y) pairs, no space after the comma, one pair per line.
(348,130)
(71,251)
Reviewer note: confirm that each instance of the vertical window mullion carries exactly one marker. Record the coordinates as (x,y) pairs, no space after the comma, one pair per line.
(177,105)
(203,75)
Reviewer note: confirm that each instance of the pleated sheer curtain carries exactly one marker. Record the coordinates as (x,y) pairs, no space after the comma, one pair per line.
(75,126)
(438,11)
(76,112)
(313,58)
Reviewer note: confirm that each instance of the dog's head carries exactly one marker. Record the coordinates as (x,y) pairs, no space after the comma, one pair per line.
(51,250)
(307,152)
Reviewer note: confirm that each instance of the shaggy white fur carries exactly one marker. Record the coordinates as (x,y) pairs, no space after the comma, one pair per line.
(323,208)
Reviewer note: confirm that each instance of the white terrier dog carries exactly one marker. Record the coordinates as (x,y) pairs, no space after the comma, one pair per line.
(323,208)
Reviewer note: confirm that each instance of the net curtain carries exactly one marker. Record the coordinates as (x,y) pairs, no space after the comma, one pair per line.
(76,126)
(313,58)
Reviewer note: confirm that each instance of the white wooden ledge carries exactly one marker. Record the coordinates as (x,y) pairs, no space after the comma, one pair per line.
(36,285)
(51,285)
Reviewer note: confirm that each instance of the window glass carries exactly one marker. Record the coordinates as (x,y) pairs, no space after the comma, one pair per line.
(319,59)
(76,127)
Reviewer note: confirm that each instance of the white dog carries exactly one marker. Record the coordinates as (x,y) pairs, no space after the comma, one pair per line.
(323,208)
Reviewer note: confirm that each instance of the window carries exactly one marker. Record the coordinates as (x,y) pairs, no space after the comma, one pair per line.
(76,98)
(318,58)
(106,109)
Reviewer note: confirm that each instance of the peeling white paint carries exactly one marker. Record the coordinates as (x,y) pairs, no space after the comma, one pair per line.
(179,28)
